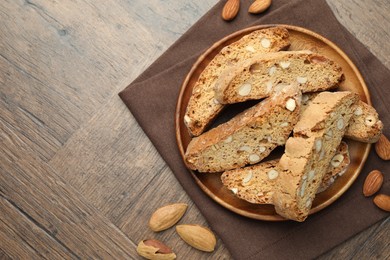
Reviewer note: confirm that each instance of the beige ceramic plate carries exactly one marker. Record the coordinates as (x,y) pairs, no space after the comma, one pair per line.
(211,184)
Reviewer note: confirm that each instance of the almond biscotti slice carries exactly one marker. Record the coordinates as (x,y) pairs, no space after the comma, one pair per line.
(337,167)
(257,183)
(202,107)
(364,125)
(308,153)
(249,137)
(255,78)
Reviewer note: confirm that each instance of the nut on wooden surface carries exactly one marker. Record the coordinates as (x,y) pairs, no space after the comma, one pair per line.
(155,249)
(167,216)
(197,236)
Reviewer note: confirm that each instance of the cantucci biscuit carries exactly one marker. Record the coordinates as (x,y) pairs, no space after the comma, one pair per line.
(308,153)
(337,167)
(364,125)
(257,183)
(202,107)
(249,137)
(256,78)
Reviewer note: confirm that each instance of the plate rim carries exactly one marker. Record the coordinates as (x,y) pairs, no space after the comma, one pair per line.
(212,48)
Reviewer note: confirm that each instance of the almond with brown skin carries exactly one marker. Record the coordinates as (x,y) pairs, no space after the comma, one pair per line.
(373,183)
(167,216)
(197,236)
(382,147)
(230,10)
(259,6)
(155,249)
(382,201)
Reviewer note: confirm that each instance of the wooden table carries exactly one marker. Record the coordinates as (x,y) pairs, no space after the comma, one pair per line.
(78,177)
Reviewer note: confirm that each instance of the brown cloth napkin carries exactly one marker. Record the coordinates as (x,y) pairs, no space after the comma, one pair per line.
(152,100)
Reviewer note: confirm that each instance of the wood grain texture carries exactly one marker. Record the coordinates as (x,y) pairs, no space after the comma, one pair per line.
(3,255)
(125,198)
(23,238)
(368,22)
(78,177)
(53,207)
(116,163)
(372,243)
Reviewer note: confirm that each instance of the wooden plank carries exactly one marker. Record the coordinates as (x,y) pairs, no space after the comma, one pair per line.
(63,64)
(34,188)
(4,255)
(44,134)
(125,188)
(369,22)
(134,221)
(377,244)
(365,242)
(23,239)
(114,164)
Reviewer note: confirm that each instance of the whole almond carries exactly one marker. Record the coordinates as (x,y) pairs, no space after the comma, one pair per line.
(230,10)
(197,236)
(259,6)
(167,216)
(382,201)
(382,147)
(155,249)
(372,183)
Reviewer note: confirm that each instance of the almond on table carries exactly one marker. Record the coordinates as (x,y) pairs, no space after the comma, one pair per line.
(197,236)
(155,249)
(167,216)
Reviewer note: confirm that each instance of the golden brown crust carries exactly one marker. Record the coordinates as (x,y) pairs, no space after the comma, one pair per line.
(364,126)
(303,168)
(337,167)
(252,183)
(255,185)
(248,137)
(312,71)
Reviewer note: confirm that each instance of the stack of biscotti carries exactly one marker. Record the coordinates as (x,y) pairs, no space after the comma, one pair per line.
(249,137)
(364,126)
(308,153)
(202,107)
(257,183)
(256,68)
